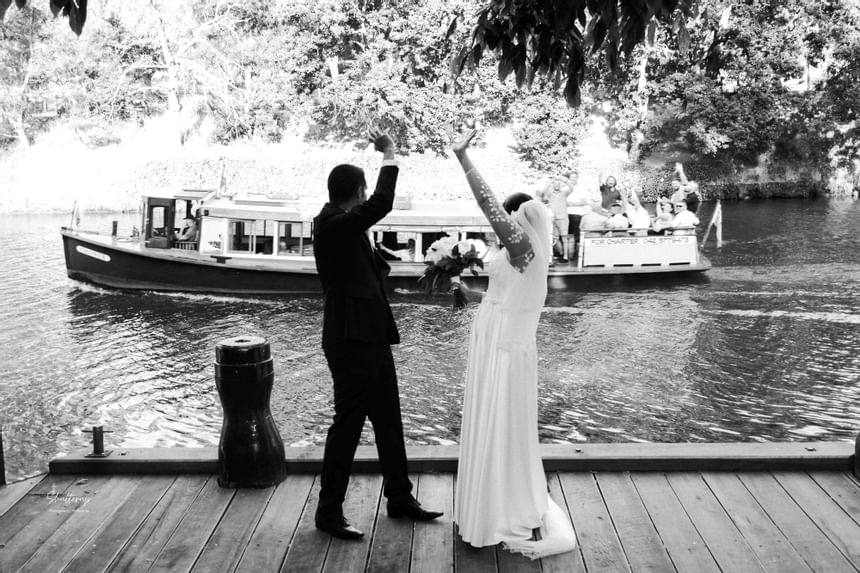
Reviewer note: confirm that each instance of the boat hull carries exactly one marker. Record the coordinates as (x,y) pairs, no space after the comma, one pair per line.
(122,264)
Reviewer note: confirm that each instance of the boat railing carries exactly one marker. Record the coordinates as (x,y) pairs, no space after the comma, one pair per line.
(185,245)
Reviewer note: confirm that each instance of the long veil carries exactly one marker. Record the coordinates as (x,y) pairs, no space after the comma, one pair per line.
(556,531)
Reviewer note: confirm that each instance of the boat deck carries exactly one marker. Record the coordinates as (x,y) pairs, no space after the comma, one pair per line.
(803,514)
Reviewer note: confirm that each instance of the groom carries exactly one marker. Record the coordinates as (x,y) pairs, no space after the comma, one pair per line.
(358,331)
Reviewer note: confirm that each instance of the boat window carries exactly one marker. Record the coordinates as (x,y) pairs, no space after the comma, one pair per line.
(159,221)
(211,234)
(255,236)
(295,237)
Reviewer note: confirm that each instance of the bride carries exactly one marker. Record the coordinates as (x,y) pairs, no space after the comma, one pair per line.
(501,494)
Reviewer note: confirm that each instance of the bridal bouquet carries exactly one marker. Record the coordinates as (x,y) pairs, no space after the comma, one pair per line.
(446,260)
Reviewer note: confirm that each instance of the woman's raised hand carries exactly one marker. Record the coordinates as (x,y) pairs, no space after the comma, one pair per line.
(461,143)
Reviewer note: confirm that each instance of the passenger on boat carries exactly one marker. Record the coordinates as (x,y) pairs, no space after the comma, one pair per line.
(609,192)
(189,230)
(663,219)
(554,194)
(407,254)
(685,190)
(637,214)
(683,218)
(593,221)
(577,204)
(617,219)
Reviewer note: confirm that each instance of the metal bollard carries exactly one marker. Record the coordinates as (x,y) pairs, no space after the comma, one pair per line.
(114,228)
(250,452)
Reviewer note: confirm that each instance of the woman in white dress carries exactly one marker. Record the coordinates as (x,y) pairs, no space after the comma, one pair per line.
(501,494)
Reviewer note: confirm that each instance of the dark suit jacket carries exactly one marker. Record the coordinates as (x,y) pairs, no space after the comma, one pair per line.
(352,273)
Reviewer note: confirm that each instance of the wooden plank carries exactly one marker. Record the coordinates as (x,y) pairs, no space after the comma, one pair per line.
(188,539)
(556,457)
(641,542)
(826,513)
(225,547)
(362,501)
(683,543)
(433,542)
(697,457)
(478,559)
(34,503)
(508,562)
(11,493)
(842,490)
(147,542)
(75,532)
(718,531)
(309,547)
(767,542)
(173,460)
(391,546)
(268,545)
(116,532)
(601,549)
(570,562)
(812,545)
(55,508)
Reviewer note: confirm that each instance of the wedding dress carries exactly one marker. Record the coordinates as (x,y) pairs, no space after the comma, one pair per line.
(501,494)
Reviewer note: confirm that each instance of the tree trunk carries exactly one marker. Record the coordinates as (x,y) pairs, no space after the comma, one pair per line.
(174,106)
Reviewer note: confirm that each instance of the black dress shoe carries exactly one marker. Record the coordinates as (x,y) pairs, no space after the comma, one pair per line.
(410,508)
(337,526)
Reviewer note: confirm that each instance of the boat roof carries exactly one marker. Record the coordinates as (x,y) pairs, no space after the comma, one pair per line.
(462,215)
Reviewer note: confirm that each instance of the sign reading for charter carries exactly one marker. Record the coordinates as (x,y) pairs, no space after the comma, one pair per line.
(645,251)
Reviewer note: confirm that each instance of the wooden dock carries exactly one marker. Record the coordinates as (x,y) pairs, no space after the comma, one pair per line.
(635,507)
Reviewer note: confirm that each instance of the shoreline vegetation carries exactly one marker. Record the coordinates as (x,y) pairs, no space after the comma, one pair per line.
(114,176)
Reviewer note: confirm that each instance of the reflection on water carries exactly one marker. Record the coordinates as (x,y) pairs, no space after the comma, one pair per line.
(763,347)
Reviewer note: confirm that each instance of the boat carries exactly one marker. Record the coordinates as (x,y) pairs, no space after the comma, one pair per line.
(258,245)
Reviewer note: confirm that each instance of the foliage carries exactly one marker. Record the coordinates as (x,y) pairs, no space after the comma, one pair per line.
(74,10)
(552,39)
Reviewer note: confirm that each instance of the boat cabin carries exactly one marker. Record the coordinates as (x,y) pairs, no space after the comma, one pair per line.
(258,228)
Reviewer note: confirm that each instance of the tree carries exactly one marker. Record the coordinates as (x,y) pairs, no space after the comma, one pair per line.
(552,39)
(17,70)
(74,10)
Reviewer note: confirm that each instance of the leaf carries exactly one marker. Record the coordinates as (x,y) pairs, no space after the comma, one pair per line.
(458,61)
(4,5)
(452,27)
(683,40)
(652,31)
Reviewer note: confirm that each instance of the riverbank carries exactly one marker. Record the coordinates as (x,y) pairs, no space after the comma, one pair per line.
(61,170)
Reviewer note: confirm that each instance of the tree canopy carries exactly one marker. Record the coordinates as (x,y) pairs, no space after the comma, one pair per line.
(725,84)
(552,38)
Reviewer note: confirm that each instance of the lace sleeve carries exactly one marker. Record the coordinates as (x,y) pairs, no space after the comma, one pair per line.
(511,235)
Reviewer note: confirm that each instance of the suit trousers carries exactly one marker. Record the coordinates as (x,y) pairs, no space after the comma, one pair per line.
(365,386)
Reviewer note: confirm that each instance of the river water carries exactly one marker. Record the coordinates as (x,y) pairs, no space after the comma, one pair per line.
(763,347)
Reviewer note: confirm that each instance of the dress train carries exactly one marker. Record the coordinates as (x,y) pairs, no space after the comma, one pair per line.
(557,535)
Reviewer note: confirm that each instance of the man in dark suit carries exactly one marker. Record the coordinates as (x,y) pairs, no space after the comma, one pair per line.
(358,331)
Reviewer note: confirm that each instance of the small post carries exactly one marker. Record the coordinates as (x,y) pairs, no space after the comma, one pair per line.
(717,223)
(250,452)
(856,457)
(2,460)
(98,433)
(113,228)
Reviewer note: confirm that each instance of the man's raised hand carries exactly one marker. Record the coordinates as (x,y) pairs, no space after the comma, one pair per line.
(381,140)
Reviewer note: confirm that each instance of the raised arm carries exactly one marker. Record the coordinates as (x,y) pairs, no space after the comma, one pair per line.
(679,169)
(510,234)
